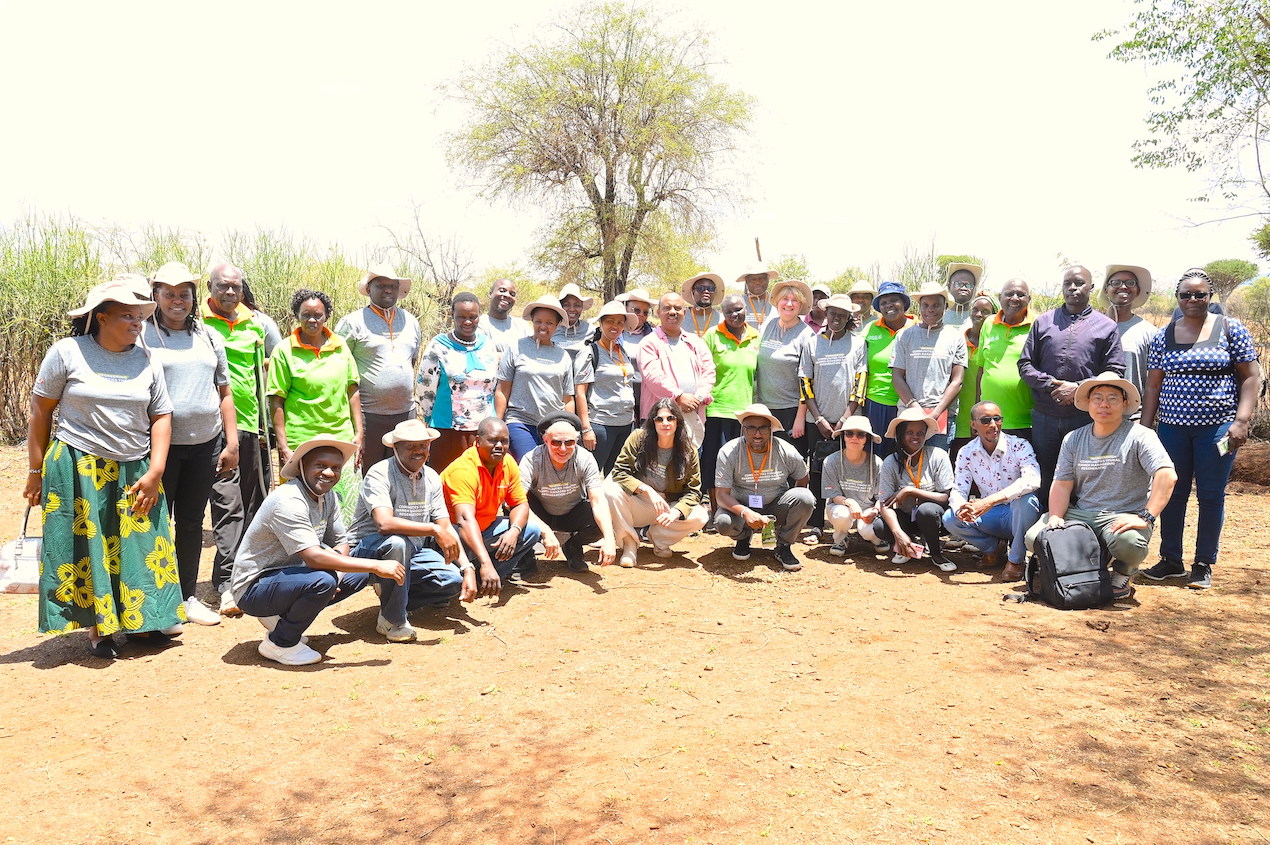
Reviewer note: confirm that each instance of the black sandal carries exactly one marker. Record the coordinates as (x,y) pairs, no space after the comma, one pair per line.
(104,648)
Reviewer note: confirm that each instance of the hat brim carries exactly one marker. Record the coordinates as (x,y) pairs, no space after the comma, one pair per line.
(429,434)
(774,294)
(686,288)
(292,467)
(932,427)
(363,287)
(867,432)
(529,309)
(742,416)
(908,300)
(757,271)
(1133,399)
(147,305)
(1140,273)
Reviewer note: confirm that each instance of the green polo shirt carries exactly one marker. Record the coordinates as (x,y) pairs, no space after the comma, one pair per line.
(244,340)
(734,364)
(1000,346)
(966,397)
(878,340)
(314,386)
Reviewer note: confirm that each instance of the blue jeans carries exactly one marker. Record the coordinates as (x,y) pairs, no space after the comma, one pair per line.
(609,440)
(430,581)
(1193,449)
(522,438)
(524,547)
(1006,521)
(1047,439)
(296,595)
(880,417)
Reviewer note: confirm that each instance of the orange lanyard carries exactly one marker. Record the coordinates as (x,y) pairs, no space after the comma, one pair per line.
(618,359)
(387,317)
(749,457)
(696,327)
(754,308)
(916,479)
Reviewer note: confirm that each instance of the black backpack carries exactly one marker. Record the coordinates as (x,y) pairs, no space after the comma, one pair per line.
(1068,570)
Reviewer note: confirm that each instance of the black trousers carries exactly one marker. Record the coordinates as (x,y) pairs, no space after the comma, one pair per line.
(187,485)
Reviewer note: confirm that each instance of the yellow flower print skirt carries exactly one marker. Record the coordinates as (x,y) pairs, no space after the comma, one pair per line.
(102,564)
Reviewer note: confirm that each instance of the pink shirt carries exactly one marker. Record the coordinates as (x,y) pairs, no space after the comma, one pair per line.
(659,367)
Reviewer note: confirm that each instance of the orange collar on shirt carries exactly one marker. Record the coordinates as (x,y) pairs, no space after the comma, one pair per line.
(909,319)
(1027,319)
(241,314)
(331,344)
(750,331)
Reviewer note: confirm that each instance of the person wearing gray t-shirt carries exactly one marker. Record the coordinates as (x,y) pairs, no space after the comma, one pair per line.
(1128,287)
(928,363)
(535,378)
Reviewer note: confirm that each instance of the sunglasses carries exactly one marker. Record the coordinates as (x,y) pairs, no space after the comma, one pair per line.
(560,444)
(643,312)
(855,434)
(990,420)
(664,419)
(710,288)
(1192,294)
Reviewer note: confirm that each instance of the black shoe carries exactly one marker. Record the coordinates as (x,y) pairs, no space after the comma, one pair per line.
(1201,576)
(785,555)
(742,549)
(104,648)
(1165,569)
(528,565)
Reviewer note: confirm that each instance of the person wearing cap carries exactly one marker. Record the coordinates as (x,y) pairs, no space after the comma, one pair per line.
(385,341)
(849,484)
(961,281)
(1004,470)
(204,422)
(780,350)
(237,495)
(733,346)
(401,516)
(816,316)
(1203,379)
(913,491)
(675,364)
(314,388)
(639,306)
(1063,348)
(1113,475)
(891,304)
(1000,345)
(862,294)
(983,306)
(107,562)
(571,333)
(565,491)
(759,480)
(1127,287)
(928,364)
(457,375)
(498,322)
(702,291)
(535,377)
(755,283)
(477,486)
(294,560)
(656,484)
(604,378)
(831,369)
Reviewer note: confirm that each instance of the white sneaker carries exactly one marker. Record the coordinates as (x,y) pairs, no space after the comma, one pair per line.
(899,558)
(173,630)
(297,655)
(271,622)
(229,607)
(402,633)
(199,613)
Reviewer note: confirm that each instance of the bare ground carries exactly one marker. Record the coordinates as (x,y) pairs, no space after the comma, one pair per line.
(695,700)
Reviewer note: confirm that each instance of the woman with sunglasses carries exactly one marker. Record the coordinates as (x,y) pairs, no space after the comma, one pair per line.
(1202,383)
(656,483)
(849,485)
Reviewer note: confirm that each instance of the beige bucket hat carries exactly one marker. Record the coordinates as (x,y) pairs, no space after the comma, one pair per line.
(175,273)
(1144,282)
(975,270)
(126,289)
(636,295)
(383,271)
(410,431)
(934,289)
(858,423)
(544,301)
(757,270)
(686,287)
(912,415)
(573,290)
(804,291)
(1133,399)
(292,467)
(758,409)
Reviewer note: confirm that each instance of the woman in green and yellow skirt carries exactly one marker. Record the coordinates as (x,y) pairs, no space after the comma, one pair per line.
(107,563)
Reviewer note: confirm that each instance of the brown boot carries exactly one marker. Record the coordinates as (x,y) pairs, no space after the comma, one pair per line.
(1012,572)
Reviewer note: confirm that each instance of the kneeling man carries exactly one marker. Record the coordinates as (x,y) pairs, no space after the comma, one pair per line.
(477,486)
(288,567)
(759,480)
(401,516)
(1113,475)
(1005,470)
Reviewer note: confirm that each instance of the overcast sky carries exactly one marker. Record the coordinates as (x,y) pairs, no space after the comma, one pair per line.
(993,128)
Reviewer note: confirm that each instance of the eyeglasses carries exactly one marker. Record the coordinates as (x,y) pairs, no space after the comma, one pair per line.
(990,420)
(855,434)
(754,429)
(1122,283)
(643,312)
(560,444)
(1192,294)
(664,419)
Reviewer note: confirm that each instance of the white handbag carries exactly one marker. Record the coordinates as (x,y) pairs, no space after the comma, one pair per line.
(20,562)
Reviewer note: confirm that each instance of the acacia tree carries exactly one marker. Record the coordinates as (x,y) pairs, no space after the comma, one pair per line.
(609,119)
(1228,274)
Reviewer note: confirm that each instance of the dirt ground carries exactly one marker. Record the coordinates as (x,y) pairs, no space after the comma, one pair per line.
(694,700)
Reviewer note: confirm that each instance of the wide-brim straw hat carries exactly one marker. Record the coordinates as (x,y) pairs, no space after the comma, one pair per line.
(175,273)
(758,409)
(934,289)
(975,269)
(858,423)
(1133,399)
(758,270)
(842,302)
(292,467)
(686,287)
(612,308)
(383,271)
(889,289)
(635,295)
(821,287)
(1143,276)
(544,301)
(863,286)
(410,431)
(912,415)
(127,289)
(774,294)
(573,290)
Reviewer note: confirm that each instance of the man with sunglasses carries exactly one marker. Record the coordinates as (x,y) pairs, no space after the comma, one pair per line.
(1004,469)
(565,492)
(1128,287)
(702,291)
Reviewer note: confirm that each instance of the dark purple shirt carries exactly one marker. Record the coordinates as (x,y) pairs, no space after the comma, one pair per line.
(1063,346)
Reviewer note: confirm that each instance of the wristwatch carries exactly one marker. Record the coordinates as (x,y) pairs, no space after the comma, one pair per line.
(1148,517)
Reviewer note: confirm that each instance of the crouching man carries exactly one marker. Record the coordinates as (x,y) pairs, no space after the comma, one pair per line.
(294,561)
(401,517)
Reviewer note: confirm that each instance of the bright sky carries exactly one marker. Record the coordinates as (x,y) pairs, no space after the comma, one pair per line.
(987,127)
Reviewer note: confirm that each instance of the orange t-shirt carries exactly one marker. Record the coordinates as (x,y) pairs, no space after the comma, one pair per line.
(468,482)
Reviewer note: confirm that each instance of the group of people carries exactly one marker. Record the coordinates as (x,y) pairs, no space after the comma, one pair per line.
(782,413)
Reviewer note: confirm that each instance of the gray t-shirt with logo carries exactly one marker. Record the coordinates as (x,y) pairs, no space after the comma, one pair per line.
(610,380)
(778,469)
(386,357)
(560,490)
(386,485)
(927,357)
(1112,474)
(194,367)
(859,481)
(541,376)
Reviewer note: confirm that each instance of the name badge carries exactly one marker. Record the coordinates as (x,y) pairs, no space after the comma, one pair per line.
(756,501)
